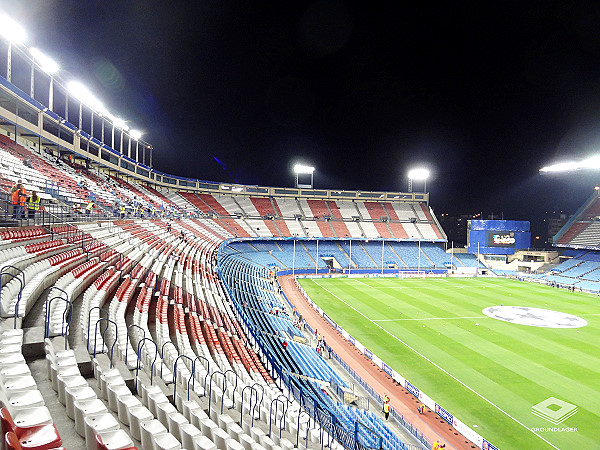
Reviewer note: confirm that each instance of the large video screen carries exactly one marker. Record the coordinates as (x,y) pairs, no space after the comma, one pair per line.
(498,237)
(501,239)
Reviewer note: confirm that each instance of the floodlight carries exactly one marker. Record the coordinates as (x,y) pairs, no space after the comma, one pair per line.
(418,174)
(135,134)
(47,64)
(300,169)
(83,94)
(120,123)
(590,163)
(11,30)
(561,167)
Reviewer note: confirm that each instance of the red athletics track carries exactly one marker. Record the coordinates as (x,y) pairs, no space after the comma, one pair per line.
(430,424)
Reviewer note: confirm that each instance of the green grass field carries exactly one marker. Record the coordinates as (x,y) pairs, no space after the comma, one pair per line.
(491,374)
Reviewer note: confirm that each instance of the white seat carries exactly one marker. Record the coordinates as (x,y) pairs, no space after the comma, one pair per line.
(163,411)
(108,380)
(197,415)
(176,420)
(68,380)
(124,404)
(246,441)
(65,370)
(149,429)
(85,408)
(204,443)
(235,431)
(220,436)
(267,442)
(286,444)
(98,423)
(114,392)
(154,399)
(137,415)
(165,441)
(73,394)
(116,439)
(29,417)
(256,433)
(207,426)
(18,383)
(188,433)
(14,369)
(11,358)
(232,444)
(24,399)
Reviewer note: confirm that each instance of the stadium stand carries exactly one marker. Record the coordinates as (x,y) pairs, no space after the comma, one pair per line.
(160,324)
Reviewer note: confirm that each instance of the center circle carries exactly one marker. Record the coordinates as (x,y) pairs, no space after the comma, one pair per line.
(534,317)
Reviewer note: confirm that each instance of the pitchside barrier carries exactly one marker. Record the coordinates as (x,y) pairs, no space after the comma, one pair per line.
(459,426)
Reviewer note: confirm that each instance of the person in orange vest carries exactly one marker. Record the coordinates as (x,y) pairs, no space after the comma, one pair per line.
(18,200)
(436,445)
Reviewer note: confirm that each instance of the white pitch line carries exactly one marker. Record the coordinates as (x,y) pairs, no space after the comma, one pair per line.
(365,284)
(432,318)
(441,368)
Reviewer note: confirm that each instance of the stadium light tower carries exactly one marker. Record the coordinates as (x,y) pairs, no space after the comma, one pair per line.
(418,174)
(300,169)
(14,34)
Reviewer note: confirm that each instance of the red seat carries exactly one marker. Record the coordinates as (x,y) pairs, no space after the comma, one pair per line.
(39,437)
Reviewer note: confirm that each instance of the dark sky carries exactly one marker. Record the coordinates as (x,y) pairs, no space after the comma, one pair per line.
(483,93)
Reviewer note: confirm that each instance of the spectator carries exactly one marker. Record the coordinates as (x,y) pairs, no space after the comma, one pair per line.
(284,344)
(33,204)
(16,186)
(18,200)
(88,208)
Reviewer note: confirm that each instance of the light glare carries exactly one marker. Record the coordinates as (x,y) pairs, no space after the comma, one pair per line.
(561,167)
(301,169)
(81,93)
(11,30)
(120,123)
(135,134)
(418,174)
(47,64)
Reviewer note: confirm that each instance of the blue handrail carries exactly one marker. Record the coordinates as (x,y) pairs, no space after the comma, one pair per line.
(112,347)
(276,402)
(200,357)
(188,382)
(21,282)
(234,388)
(210,389)
(127,340)
(90,320)
(64,330)
(162,357)
(250,407)
(140,345)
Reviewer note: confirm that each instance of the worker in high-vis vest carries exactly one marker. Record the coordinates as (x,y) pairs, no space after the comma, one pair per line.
(89,207)
(33,204)
(19,195)
(386,410)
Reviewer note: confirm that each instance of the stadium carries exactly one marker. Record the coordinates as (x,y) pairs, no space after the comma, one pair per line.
(144,309)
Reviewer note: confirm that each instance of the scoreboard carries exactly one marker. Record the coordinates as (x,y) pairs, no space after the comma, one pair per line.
(497,237)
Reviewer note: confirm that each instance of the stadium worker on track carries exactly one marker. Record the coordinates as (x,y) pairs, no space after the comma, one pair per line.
(386,410)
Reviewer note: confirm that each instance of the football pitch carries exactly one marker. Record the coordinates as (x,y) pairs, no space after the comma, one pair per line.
(519,386)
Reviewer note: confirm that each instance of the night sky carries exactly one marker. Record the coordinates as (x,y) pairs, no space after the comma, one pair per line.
(483,93)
